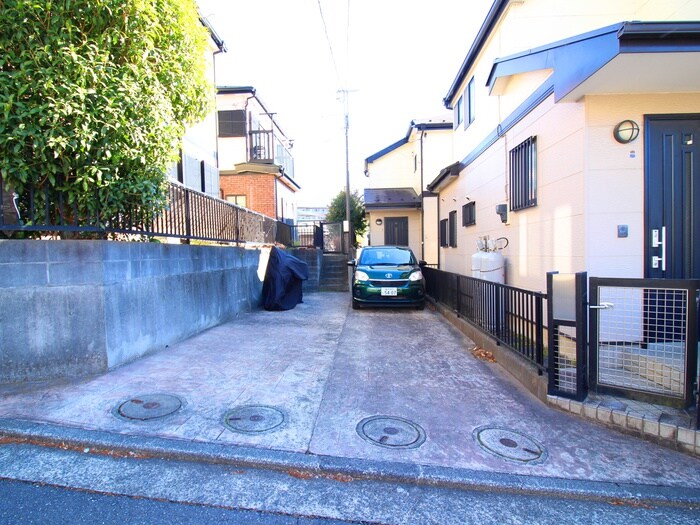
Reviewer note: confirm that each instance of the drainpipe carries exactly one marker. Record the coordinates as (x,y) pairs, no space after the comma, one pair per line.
(438,231)
(422,203)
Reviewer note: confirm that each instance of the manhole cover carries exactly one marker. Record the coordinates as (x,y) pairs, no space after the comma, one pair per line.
(149,406)
(509,444)
(391,432)
(254,419)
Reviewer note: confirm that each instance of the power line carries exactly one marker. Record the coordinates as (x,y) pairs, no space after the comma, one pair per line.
(330,46)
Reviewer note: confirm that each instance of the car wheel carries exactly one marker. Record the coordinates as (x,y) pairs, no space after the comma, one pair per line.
(355,305)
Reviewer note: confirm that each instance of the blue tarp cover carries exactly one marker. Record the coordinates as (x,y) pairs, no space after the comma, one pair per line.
(283,280)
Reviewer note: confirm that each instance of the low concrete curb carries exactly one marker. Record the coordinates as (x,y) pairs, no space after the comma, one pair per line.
(308,466)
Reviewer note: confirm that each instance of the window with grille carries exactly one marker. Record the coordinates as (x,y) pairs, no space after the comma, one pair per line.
(232,123)
(523,175)
(469,214)
(443,233)
(453,229)
(239,200)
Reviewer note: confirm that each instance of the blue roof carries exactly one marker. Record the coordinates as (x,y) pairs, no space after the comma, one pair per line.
(423,125)
(576,59)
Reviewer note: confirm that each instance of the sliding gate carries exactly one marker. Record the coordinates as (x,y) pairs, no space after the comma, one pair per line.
(643,339)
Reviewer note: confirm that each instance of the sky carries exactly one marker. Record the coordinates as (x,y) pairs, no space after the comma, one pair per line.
(395,59)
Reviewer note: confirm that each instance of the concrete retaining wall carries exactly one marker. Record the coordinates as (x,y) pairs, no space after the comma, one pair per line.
(77,308)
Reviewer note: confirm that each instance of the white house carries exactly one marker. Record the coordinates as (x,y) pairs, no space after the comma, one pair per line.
(255,160)
(197,167)
(579,122)
(398,207)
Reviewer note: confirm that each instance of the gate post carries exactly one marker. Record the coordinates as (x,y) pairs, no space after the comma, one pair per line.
(567,334)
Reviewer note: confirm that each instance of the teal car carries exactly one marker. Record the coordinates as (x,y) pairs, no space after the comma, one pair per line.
(387,276)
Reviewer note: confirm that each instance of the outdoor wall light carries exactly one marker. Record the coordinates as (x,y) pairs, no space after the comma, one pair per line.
(378,222)
(626,131)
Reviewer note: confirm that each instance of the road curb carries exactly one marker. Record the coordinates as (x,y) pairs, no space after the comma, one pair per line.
(308,466)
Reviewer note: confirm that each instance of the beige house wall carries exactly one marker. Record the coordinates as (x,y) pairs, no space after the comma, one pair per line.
(615,179)
(396,169)
(376,231)
(401,168)
(431,239)
(531,23)
(587,184)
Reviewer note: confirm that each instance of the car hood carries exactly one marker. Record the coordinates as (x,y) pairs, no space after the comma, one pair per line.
(388,272)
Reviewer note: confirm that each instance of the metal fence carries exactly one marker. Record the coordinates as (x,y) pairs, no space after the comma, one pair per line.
(513,316)
(188,214)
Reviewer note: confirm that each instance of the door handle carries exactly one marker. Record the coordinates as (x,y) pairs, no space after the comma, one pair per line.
(602,306)
(656,242)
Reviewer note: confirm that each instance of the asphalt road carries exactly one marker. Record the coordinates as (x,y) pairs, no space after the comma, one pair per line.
(38,504)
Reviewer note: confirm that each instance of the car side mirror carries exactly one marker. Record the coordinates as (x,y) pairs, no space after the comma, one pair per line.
(422,263)
(352,262)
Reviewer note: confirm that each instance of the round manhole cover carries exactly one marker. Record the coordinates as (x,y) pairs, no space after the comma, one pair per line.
(510,444)
(391,432)
(149,406)
(254,419)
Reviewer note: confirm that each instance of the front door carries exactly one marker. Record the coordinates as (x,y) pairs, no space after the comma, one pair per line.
(672,197)
(396,231)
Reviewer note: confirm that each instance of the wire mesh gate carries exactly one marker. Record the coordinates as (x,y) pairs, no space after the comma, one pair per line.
(643,339)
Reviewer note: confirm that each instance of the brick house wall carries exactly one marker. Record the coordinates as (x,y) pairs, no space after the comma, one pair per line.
(259,189)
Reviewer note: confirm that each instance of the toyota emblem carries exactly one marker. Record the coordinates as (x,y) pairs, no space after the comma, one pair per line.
(388,276)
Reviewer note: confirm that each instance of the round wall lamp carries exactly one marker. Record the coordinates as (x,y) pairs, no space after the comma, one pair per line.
(378,222)
(626,131)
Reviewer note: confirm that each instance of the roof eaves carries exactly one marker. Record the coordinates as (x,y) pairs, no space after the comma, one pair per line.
(235,90)
(453,170)
(492,17)
(218,41)
(386,150)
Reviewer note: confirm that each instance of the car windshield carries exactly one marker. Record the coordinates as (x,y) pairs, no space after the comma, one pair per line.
(387,257)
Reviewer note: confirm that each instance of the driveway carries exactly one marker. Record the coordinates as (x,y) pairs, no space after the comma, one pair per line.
(387,385)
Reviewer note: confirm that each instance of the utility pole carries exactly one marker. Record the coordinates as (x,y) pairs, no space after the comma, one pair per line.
(345,93)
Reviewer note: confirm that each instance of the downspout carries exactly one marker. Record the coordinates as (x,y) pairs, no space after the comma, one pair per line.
(439,247)
(422,203)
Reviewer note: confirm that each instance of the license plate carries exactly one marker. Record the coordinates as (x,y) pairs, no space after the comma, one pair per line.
(389,292)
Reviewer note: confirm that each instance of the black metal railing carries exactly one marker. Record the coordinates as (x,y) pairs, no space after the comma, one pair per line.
(513,316)
(306,235)
(188,214)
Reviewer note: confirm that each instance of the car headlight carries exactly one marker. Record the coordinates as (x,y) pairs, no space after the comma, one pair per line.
(361,276)
(416,276)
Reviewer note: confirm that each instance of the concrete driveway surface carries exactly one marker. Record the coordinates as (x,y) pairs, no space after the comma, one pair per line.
(394,387)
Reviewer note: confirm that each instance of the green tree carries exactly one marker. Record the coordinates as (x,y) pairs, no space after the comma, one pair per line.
(337,213)
(95,96)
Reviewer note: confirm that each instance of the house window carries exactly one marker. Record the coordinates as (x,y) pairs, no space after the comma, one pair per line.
(470,103)
(523,175)
(469,214)
(238,200)
(443,233)
(459,114)
(232,123)
(453,228)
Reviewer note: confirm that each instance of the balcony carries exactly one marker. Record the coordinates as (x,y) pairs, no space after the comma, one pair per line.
(266,148)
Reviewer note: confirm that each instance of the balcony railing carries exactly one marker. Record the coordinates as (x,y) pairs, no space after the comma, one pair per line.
(266,148)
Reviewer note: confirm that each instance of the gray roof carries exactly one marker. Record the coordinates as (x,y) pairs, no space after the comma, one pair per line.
(386,198)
